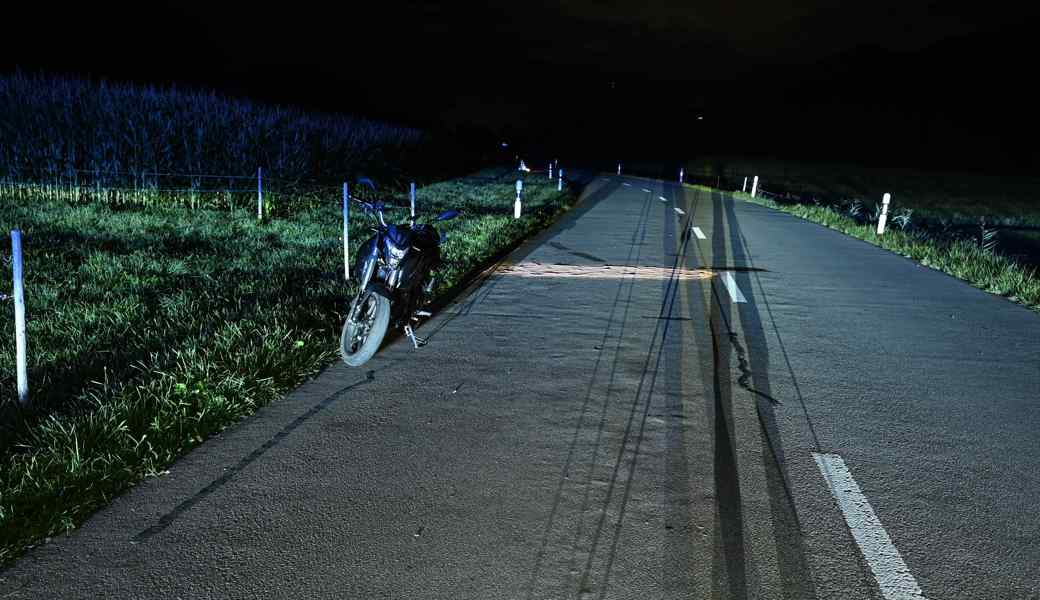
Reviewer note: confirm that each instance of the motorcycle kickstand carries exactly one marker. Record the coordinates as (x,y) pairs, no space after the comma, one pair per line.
(416,340)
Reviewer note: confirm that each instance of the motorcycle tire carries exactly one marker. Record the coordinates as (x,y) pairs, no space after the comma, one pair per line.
(376,313)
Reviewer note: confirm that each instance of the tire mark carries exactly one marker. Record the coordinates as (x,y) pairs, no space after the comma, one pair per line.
(667,304)
(216,484)
(634,248)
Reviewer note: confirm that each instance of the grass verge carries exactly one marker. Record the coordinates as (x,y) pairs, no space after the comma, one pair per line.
(955,198)
(962,258)
(151,328)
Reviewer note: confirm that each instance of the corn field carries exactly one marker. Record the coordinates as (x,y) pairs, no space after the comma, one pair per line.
(81,133)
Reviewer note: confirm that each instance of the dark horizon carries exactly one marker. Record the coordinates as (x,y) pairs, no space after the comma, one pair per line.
(932,87)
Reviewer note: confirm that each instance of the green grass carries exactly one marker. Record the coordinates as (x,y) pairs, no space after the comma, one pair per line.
(152,327)
(962,258)
(954,198)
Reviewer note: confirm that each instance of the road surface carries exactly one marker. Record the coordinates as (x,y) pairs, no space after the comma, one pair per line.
(667,394)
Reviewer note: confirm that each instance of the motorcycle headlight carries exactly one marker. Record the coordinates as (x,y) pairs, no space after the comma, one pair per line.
(394,256)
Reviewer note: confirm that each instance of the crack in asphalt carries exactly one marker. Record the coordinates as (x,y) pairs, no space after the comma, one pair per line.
(745,370)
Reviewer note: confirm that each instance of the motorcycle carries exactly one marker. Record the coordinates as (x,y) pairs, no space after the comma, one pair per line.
(395,270)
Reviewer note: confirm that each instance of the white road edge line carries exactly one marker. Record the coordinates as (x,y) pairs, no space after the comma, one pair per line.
(679,210)
(891,573)
(731,286)
(700,234)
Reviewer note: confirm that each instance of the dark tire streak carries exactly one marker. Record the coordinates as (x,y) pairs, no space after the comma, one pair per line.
(639,228)
(165,520)
(667,305)
(787,529)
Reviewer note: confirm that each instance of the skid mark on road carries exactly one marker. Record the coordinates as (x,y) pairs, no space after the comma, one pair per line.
(556,271)
(655,348)
(165,520)
(484,282)
(577,253)
(729,574)
(783,349)
(784,523)
(634,253)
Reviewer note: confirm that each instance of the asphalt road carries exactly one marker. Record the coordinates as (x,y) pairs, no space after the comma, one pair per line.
(623,410)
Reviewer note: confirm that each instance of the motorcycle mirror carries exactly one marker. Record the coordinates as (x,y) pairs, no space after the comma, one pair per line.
(448,214)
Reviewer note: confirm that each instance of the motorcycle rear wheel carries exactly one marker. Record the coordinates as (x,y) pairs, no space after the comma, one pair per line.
(362,335)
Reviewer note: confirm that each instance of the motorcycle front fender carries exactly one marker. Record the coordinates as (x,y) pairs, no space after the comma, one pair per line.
(380,288)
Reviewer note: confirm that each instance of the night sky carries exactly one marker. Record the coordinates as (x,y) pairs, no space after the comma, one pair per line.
(916,83)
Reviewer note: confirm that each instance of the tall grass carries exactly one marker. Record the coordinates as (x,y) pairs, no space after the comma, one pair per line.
(967,258)
(955,198)
(153,327)
(279,199)
(113,135)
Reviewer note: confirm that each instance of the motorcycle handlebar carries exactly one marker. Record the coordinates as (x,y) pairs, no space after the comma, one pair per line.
(378,207)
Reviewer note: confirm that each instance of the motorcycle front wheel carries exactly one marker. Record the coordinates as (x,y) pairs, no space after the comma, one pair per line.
(363,333)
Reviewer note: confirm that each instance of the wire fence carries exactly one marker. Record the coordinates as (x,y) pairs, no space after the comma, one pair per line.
(288,196)
(278,196)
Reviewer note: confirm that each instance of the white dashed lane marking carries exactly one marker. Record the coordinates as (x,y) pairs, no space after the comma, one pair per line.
(732,288)
(891,573)
(700,234)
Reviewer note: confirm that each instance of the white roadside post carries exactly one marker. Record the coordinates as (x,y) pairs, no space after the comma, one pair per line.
(259,193)
(680,174)
(754,187)
(550,171)
(346,231)
(516,205)
(744,189)
(19,318)
(884,213)
(411,201)
(619,168)
(559,182)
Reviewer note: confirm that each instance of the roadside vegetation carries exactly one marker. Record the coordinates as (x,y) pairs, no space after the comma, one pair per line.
(153,325)
(114,135)
(954,199)
(970,257)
